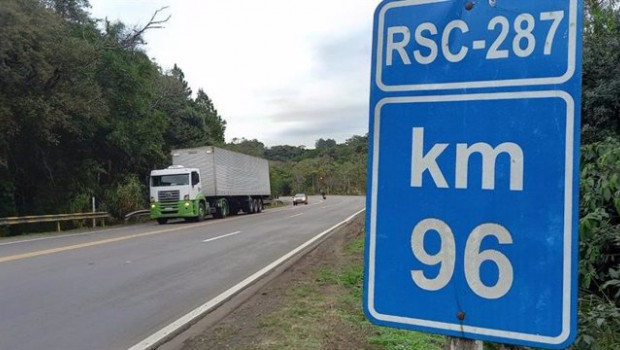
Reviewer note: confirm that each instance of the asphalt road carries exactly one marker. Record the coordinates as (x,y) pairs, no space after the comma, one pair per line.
(112,288)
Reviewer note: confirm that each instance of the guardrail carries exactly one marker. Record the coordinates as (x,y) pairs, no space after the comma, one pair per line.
(142,212)
(55,218)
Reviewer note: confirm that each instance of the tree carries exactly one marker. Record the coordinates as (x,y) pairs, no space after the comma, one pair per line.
(324,144)
(304,175)
(70,10)
(131,139)
(119,35)
(51,102)
(601,72)
(284,153)
(215,126)
(281,179)
(358,144)
(83,109)
(191,123)
(334,168)
(251,147)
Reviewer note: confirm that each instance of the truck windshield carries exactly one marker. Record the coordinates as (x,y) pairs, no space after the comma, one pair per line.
(170,180)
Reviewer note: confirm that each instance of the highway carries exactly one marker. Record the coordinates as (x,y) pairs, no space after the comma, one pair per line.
(113,288)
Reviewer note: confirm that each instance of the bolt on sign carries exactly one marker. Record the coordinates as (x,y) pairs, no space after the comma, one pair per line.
(473,169)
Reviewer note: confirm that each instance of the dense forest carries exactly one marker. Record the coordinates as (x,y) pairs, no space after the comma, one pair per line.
(84,112)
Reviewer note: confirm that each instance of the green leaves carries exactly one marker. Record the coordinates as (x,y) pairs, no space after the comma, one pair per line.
(334,168)
(601,71)
(599,246)
(599,269)
(82,108)
(125,197)
(599,322)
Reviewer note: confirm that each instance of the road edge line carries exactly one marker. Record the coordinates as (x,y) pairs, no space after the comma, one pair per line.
(159,337)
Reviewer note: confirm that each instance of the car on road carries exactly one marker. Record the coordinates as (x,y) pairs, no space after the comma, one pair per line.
(300,198)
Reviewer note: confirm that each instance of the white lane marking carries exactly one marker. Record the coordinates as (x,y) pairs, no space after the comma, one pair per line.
(100,231)
(296,215)
(222,236)
(158,336)
(279,209)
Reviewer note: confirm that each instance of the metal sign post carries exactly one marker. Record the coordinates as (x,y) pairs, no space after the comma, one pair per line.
(473,169)
(454,343)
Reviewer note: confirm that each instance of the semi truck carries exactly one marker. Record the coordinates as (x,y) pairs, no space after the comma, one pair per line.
(208,181)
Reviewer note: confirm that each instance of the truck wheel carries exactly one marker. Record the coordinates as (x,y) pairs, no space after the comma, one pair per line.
(162,221)
(222,211)
(201,211)
(232,209)
(259,206)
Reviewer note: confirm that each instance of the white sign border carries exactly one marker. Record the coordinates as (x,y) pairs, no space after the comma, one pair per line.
(570,69)
(568,206)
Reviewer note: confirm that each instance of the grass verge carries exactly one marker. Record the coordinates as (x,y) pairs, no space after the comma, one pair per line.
(323,311)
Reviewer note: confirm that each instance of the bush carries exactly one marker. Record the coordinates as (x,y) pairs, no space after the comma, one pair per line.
(599,323)
(124,198)
(81,202)
(599,246)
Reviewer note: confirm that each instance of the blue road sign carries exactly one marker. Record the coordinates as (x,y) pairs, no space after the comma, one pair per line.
(439,44)
(474,169)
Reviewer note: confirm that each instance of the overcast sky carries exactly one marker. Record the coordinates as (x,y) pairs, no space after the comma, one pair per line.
(280,71)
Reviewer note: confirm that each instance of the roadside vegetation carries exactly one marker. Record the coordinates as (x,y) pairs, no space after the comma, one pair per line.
(326,306)
(85,112)
(599,224)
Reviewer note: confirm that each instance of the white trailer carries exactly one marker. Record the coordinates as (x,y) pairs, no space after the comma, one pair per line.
(209,181)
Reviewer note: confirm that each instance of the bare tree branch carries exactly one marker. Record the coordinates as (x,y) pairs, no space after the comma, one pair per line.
(135,38)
